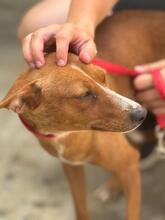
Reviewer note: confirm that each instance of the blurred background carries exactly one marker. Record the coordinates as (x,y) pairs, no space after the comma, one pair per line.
(32,184)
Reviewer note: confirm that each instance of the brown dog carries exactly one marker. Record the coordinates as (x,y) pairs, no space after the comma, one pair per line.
(68,102)
(71,100)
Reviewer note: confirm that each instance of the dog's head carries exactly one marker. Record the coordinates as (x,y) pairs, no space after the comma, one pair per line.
(73,97)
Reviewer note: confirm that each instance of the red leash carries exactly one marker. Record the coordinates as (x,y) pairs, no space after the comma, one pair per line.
(122,70)
(114,68)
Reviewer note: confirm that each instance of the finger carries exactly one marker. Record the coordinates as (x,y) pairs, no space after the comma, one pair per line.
(39,39)
(37,47)
(147,67)
(158,111)
(154,104)
(88,51)
(148,95)
(62,46)
(27,51)
(144,81)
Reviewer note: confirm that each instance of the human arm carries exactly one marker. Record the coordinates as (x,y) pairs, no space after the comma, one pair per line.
(77,33)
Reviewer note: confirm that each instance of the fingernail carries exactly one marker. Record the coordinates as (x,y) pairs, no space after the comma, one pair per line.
(38,64)
(61,62)
(139,68)
(32,65)
(86,57)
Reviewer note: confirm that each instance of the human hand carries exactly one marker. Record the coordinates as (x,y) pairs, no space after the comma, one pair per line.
(66,37)
(147,94)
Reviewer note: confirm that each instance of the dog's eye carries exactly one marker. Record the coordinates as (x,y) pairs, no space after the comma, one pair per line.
(88,94)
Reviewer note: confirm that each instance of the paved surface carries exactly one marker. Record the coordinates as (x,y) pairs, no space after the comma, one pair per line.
(32,184)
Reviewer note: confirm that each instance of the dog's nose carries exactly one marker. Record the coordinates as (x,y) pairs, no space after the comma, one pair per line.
(138,115)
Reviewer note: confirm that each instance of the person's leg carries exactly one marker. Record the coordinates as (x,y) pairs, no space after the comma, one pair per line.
(42,14)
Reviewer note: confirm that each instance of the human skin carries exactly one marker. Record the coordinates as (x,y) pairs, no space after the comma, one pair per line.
(66,24)
(77,32)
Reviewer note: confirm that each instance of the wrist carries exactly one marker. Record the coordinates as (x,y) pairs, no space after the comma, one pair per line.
(84,25)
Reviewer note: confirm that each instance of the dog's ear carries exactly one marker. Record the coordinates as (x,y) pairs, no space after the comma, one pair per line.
(95,72)
(23,100)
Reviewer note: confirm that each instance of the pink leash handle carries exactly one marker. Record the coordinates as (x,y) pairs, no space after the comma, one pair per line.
(122,70)
(160,86)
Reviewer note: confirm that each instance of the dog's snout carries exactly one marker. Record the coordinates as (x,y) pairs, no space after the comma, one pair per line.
(137,115)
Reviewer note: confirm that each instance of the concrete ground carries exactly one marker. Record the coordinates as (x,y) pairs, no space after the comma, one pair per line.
(32,184)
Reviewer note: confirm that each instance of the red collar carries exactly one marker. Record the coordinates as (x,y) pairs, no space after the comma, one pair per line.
(34,132)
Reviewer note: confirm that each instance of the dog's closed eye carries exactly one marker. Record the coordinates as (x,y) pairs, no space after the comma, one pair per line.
(88,95)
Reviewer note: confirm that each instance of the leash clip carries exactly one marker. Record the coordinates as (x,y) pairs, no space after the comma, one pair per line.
(160,134)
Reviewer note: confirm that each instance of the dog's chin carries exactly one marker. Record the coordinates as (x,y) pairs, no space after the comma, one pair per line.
(134,127)
(95,128)
(105,128)
(120,128)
